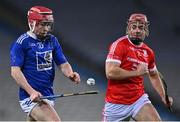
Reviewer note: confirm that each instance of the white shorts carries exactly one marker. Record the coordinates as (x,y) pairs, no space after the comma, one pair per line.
(27,105)
(118,112)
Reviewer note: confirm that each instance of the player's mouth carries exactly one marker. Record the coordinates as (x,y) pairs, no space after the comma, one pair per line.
(136,35)
(44,33)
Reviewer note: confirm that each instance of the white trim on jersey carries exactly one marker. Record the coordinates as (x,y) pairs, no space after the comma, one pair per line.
(22,38)
(113,60)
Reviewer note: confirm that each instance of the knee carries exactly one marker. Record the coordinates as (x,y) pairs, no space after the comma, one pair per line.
(44,112)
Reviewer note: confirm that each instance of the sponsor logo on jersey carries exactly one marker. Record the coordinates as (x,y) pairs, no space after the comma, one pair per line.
(44,60)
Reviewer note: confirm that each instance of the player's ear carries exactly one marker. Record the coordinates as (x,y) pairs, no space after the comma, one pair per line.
(147,31)
(127,30)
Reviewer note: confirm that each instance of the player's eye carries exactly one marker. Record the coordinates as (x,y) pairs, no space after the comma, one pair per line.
(141,27)
(46,23)
(133,27)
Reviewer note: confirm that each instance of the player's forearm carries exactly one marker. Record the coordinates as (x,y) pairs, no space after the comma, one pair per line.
(119,74)
(17,74)
(66,69)
(157,84)
(159,88)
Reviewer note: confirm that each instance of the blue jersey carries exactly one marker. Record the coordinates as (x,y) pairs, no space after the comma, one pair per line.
(36,59)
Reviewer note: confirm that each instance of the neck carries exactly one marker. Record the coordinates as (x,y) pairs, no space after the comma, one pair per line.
(43,38)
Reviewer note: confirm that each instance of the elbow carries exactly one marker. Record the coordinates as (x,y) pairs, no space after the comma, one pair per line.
(12,73)
(109,75)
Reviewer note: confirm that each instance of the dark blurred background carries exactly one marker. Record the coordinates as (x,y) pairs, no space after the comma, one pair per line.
(85,28)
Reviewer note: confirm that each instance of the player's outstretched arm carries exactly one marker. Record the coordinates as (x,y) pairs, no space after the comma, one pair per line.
(68,72)
(157,84)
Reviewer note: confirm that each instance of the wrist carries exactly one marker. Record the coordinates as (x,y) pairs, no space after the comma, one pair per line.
(30,91)
(136,73)
(163,96)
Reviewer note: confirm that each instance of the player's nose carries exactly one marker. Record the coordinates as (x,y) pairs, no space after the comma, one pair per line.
(46,27)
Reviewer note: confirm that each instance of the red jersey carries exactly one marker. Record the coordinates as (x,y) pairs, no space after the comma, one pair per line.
(128,55)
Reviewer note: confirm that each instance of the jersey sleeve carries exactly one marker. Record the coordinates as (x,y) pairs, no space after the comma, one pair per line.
(17,54)
(116,52)
(58,55)
(152,64)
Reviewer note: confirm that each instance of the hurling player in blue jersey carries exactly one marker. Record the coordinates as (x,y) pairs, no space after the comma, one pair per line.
(33,56)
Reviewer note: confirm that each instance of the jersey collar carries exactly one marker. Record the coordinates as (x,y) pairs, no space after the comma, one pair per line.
(31,34)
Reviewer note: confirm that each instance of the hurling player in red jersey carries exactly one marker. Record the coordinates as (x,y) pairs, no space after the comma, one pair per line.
(128,60)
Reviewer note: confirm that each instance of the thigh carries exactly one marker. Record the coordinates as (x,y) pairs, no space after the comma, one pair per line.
(116,112)
(44,112)
(30,119)
(147,113)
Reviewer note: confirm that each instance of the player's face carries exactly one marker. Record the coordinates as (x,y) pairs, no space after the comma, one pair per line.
(137,30)
(43,28)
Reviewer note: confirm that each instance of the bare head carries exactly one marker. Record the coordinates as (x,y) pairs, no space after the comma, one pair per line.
(40,21)
(137,28)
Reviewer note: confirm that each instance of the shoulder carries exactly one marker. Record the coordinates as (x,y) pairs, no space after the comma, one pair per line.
(149,51)
(148,48)
(22,39)
(53,38)
(119,42)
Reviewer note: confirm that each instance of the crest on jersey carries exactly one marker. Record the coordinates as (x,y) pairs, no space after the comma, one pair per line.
(40,45)
(145,53)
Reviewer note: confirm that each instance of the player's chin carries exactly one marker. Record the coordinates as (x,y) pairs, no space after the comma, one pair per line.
(43,34)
